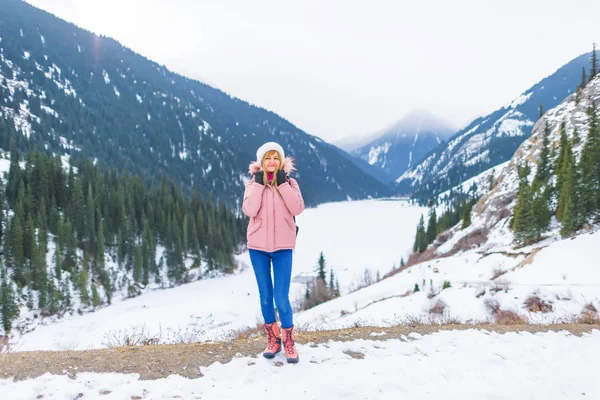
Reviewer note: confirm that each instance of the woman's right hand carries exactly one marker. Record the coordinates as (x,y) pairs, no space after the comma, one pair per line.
(259,177)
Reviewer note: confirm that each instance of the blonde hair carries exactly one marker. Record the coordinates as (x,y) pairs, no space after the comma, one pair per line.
(279,167)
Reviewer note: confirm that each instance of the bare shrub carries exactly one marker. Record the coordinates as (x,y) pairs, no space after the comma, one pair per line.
(588,318)
(427,255)
(473,239)
(535,304)
(498,272)
(4,344)
(432,293)
(185,336)
(492,305)
(438,308)
(508,317)
(365,280)
(482,293)
(449,320)
(411,320)
(589,307)
(249,331)
(589,315)
(444,236)
(504,317)
(137,336)
(318,293)
(500,286)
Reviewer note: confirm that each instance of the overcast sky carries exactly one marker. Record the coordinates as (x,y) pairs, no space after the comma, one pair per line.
(340,68)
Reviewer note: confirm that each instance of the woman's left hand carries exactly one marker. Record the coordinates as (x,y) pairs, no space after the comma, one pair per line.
(281,177)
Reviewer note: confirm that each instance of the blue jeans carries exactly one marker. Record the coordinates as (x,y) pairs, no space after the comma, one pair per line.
(282,272)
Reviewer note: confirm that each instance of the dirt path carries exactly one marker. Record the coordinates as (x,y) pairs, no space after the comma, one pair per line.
(159,361)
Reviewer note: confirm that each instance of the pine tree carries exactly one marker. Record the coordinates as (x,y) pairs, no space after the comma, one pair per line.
(57,260)
(96,301)
(1,209)
(589,167)
(491,181)
(331,282)
(82,283)
(77,210)
(594,63)
(90,219)
(543,171)
(432,226)
(137,264)
(576,139)
(185,237)
(466,216)
(567,197)
(402,264)
(421,237)
(416,289)
(14,174)
(100,242)
(54,296)
(564,172)
(583,79)
(523,222)
(541,214)
(8,305)
(18,257)
(42,226)
(541,110)
(148,262)
(321,268)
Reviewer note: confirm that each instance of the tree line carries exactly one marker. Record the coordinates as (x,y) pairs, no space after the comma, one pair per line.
(88,232)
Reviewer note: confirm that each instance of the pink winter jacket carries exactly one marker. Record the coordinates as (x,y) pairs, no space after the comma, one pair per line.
(272,225)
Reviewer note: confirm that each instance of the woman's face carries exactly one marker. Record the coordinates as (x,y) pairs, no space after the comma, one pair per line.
(271,162)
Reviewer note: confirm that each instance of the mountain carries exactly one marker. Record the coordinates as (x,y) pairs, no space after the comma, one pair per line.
(581,128)
(350,144)
(402,145)
(372,170)
(490,140)
(68,91)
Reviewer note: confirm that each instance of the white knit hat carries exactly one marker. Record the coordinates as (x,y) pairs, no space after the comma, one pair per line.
(262,150)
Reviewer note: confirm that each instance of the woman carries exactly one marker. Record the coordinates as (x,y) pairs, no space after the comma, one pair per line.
(272,199)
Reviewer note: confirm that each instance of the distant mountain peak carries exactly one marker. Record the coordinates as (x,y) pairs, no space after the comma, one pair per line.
(398,147)
(421,121)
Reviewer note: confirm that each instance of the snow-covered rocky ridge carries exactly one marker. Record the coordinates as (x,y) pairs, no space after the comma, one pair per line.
(492,139)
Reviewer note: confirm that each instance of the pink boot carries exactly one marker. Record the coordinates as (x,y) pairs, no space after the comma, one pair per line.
(274,345)
(289,345)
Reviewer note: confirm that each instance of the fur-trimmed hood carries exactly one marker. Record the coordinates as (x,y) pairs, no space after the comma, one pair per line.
(288,166)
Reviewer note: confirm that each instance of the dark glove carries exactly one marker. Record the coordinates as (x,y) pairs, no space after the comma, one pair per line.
(259,177)
(281,177)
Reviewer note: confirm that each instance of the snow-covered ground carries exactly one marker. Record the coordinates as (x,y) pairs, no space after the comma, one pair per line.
(552,274)
(449,364)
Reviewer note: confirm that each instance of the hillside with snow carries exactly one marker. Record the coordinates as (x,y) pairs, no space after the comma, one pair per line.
(404,144)
(492,139)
